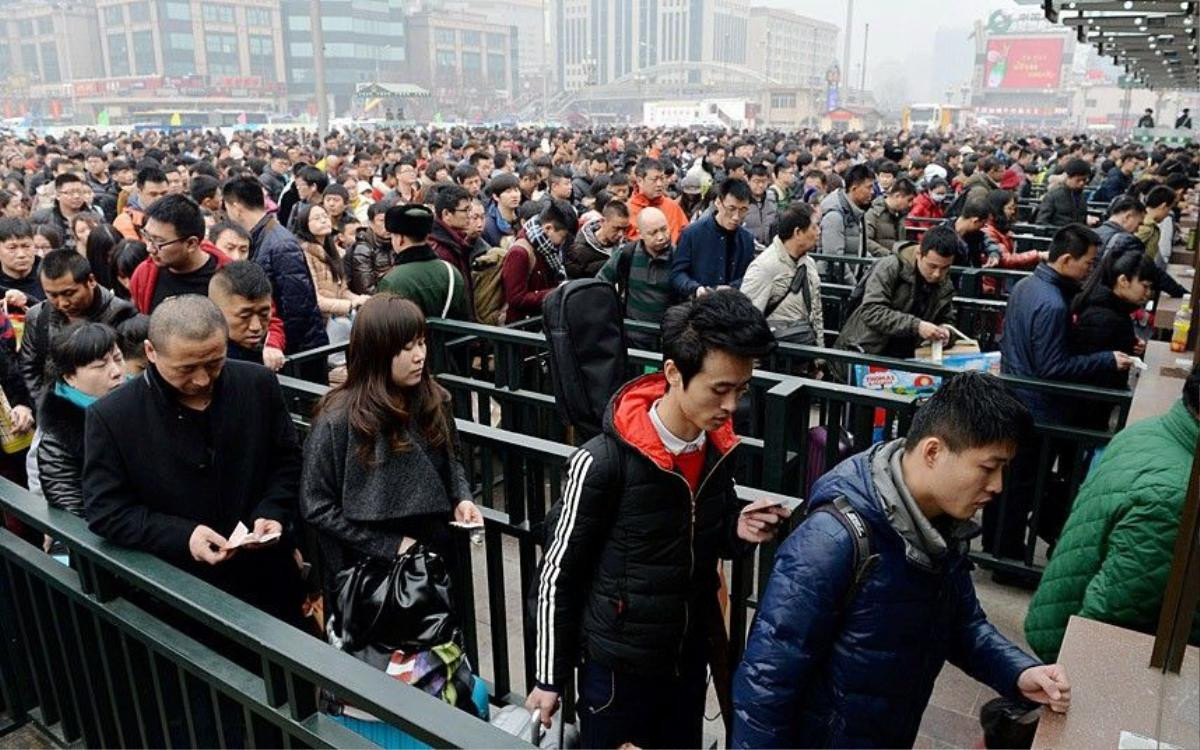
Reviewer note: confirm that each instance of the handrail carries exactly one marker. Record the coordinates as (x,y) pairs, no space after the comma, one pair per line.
(280,645)
(857,260)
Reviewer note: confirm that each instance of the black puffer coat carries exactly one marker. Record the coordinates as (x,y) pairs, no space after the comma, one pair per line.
(60,453)
(278,252)
(630,563)
(368,262)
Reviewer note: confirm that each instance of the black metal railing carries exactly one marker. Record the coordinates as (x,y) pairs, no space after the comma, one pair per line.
(122,649)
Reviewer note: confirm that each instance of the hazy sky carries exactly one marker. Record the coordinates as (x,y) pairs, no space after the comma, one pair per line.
(901,32)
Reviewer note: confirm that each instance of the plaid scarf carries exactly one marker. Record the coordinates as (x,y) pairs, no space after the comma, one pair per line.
(544,247)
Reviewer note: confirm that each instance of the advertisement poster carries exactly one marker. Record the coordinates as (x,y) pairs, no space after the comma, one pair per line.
(1023,63)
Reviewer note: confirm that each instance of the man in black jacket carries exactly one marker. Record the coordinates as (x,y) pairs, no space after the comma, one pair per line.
(176,459)
(1064,204)
(1116,236)
(71,294)
(628,583)
(277,251)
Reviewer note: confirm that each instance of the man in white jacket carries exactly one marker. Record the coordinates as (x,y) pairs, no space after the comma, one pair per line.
(783,281)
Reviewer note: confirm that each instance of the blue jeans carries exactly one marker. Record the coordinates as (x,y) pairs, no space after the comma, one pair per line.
(649,711)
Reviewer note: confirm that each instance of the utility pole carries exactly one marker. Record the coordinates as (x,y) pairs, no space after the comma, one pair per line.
(846,48)
(862,88)
(318,43)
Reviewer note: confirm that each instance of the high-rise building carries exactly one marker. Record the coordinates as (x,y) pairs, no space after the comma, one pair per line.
(364,41)
(466,61)
(529,16)
(598,42)
(44,46)
(791,49)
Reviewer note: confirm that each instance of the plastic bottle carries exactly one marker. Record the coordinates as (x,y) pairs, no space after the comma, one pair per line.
(1182,325)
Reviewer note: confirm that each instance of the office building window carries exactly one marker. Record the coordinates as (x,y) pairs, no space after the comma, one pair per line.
(29,61)
(118,54)
(114,15)
(258,17)
(220,44)
(139,11)
(178,10)
(472,63)
(45,25)
(301,49)
(496,72)
(184,42)
(472,38)
(50,69)
(143,53)
(181,64)
(5,60)
(443,36)
(261,46)
(214,13)
(300,23)
(25,27)
(783,101)
(496,41)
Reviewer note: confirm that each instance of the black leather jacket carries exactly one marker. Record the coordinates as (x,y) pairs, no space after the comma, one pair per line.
(60,453)
(368,262)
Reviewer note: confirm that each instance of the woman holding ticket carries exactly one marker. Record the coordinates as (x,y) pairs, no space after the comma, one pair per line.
(381,464)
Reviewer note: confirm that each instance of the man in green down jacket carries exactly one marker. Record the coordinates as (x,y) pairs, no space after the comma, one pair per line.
(1112,559)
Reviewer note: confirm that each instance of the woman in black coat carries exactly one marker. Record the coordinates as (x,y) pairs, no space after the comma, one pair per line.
(1120,285)
(86,364)
(381,462)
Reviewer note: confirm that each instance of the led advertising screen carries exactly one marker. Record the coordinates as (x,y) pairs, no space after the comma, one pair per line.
(1023,63)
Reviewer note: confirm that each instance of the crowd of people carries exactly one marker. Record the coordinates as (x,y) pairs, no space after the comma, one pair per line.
(153,283)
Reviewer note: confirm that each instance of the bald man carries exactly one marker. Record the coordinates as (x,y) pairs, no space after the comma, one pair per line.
(179,457)
(641,271)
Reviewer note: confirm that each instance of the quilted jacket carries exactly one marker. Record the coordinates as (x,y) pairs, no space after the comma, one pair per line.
(278,252)
(1112,559)
(817,673)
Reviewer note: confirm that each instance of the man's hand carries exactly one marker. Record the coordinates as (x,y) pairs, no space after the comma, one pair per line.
(1139,348)
(758,526)
(467,512)
(701,291)
(207,546)
(263,527)
(1093,221)
(1044,256)
(272,358)
(22,419)
(1047,685)
(16,298)
(992,261)
(930,332)
(1124,361)
(543,701)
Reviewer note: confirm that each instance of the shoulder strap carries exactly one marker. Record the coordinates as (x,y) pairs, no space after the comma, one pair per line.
(864,561)
(799,279)
(449,289)
(624,268)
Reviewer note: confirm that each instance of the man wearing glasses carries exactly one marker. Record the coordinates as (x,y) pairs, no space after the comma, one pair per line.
(72,197)
(651,179)
(714,252)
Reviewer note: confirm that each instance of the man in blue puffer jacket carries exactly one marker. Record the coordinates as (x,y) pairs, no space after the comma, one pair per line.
(828,666)
(276,250)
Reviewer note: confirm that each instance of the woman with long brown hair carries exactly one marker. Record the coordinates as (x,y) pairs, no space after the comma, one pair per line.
(381,462)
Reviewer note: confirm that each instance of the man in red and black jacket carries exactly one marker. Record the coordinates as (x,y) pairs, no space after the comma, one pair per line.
(628,585)
(182,261)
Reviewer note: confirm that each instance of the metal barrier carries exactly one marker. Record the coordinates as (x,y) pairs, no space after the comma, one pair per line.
(982,319)
(123,649)
(968,282)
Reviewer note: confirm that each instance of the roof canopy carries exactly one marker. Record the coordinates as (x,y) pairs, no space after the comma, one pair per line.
(1154,40)
(389,91)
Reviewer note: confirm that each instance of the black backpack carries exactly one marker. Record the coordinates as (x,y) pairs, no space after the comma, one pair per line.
(855,300)
(864,560)
(585,328)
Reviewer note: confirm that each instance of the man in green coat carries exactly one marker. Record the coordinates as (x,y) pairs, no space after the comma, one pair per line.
(1112,559)
(419,275)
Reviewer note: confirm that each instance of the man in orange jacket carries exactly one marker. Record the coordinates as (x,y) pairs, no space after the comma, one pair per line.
(651,181)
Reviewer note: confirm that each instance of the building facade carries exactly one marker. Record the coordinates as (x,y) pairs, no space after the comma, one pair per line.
(43,47)
(364,41)
(599,42)
(789,48)
(468,62)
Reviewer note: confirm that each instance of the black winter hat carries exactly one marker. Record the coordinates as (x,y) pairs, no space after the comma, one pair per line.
(411,220)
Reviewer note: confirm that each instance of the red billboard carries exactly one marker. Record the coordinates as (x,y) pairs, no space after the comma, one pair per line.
(1023,63)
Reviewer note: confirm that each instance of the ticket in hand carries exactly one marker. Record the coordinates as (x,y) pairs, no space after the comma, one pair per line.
(242,536)
(790,503)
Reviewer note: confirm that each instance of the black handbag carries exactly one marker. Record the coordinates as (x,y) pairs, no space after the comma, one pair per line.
(800,332)
(404,604)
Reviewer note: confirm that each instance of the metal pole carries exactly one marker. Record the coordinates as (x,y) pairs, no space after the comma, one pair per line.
(866,35)
(318,42)
(846,48)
